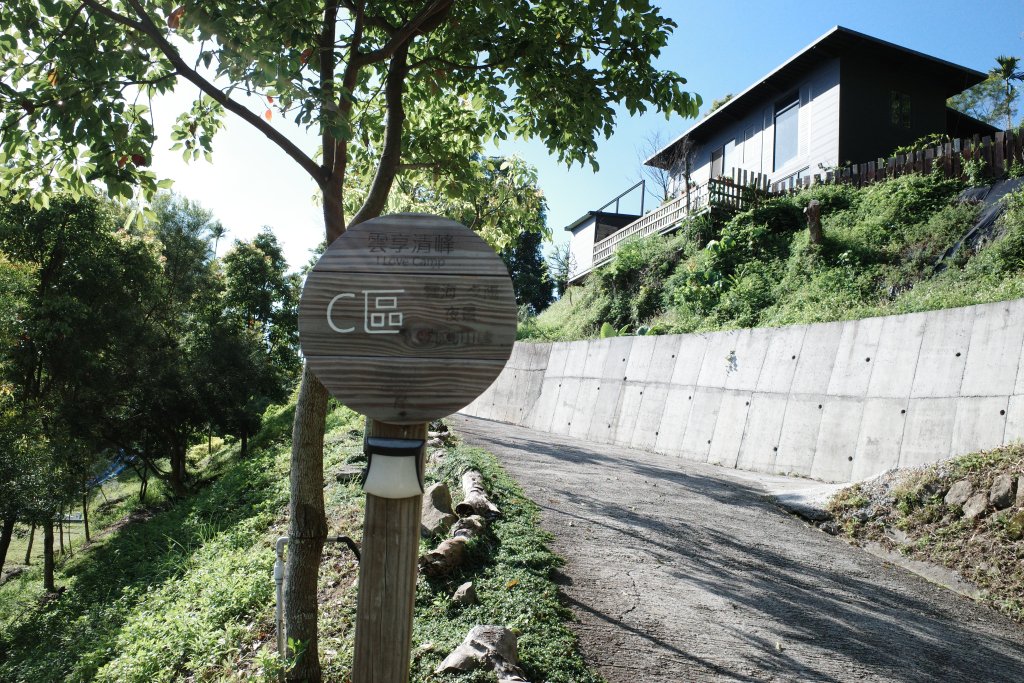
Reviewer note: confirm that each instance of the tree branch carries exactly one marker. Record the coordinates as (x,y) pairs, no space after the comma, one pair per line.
(427,18)
(326,56)
(146,26)
(390,158)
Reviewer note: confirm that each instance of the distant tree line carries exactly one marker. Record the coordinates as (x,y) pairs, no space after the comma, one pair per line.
(129,339)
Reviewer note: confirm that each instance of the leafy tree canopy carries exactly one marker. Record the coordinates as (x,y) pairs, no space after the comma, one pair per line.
(79,75)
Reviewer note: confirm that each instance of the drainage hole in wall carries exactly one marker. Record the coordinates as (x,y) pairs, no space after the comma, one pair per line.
(850,458)
(903,412)
(655,433)
(775,448)
(641,393)
(1002,412)
(819,406)
(957,354)
(867,360)
(794,357)
(689,398)
(709,440)
(623,379)
(748,403)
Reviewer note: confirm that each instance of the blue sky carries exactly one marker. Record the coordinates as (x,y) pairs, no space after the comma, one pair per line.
(720,47)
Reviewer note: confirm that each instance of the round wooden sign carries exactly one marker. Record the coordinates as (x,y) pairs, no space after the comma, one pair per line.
(407,318)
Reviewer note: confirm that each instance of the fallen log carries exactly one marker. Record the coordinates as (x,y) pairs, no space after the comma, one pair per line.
(468,527)
(494,647)
(445,558)
(475,500)
(451,553)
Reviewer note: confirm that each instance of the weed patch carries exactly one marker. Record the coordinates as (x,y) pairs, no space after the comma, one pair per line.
(906,511)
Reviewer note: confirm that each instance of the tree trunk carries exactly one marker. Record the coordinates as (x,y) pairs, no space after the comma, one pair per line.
(48,583)
(60,528)
(144,482)
(31,538)
(85,514)
(307,527)
(177,474)
(245,444)
(5,539)
(813,213)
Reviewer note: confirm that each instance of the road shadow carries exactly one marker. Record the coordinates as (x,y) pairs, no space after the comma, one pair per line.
(824,601)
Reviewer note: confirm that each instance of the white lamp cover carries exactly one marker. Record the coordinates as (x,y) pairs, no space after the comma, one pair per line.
(392,468)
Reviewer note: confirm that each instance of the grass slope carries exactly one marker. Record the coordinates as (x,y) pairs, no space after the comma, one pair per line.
(905,511)
(759,269)
(183,591)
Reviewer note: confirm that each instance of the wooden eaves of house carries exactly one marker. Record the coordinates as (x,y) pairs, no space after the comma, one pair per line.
(845,97)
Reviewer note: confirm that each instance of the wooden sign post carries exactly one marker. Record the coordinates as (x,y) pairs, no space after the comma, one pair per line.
(406,319)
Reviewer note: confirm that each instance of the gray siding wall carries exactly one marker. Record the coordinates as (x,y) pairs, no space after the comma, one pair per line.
(751,141)
(581,248)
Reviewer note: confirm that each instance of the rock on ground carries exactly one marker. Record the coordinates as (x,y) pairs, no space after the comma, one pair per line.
(959,492)
(975,505)
(465,594)
(493,647)
(1000,496)
(437,516)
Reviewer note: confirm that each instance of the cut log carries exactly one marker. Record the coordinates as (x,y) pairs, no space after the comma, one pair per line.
(493,647)
(451,553)
(468,527)
(437,516)
(445,558)
(475,500)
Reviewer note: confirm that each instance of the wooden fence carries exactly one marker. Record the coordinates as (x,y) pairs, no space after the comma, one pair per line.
(996,154)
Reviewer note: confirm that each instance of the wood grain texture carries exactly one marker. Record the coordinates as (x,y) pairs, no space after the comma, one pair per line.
(405,390)
(407,318)
(413,242)
(456,316)
(387,577)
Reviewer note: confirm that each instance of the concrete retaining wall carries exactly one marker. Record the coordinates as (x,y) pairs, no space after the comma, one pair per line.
(832,401)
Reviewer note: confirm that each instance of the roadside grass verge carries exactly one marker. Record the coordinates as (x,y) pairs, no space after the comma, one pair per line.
(905,511)
(511,568)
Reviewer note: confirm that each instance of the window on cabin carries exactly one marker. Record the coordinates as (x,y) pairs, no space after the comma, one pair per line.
(787,133)
(748,146)
(899,109)
(717,162)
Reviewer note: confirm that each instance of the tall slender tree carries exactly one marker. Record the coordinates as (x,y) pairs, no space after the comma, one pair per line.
(389,86)
(1008,71)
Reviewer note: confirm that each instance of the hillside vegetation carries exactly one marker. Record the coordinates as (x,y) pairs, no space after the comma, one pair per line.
(879,256)
(183,590)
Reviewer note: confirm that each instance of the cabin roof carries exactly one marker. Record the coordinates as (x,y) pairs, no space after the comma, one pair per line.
(837,42)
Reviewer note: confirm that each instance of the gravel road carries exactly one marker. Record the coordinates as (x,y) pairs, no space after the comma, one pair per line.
(678,572)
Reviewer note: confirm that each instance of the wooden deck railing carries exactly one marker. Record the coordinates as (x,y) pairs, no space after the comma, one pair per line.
(724,193)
